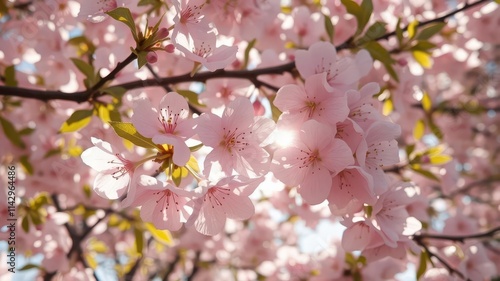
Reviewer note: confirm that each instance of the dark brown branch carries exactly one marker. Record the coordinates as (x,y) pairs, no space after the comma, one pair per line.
(442,18)
(458,238)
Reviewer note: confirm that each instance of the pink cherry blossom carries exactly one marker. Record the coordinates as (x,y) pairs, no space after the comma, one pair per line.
(94,10)
(162,203)
(380,150)
(204,50)
(169,124)
(316,100)
(228,198)
(311,162)
(237,139)
(350,189)
(303,27)
(219,92)
(342,73)
(189,18)
(114,170)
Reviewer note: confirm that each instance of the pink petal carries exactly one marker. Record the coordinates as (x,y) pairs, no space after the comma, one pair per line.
(238,114)
(290,98)
(285,166)
(221,57)
(210,220)
(316,185)
(315,135)
(356,237)
(337,156)
(145,118)
(106,186)
(175,104)
(209,129)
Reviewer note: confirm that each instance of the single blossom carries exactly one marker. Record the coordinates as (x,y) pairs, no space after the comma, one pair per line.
(169,124)
(315,100)
(342,74)
(203,49)
(237,139)
(311,161)
(115,171)
(162,203)
(226,199)
(94,11)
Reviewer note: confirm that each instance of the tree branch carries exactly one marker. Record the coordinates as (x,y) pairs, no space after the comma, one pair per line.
(251,75)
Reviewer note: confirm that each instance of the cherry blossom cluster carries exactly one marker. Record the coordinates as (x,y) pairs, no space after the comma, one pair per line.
(252,140)
(330,143)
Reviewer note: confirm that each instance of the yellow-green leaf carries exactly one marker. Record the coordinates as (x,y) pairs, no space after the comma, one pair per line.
(330,29)
(426,102)
(11,133)
(191,96)
(10,76)
(388,107)
(139,240)
(249,47)
(162,236)
(423,58)
(77,120)
(128,131)
(123,14)
(440,159)
(419,129)
(90,259)
(412,29)
(422,267)
(430,31)
(26,164)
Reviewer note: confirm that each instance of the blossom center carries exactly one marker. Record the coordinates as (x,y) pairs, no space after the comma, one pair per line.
(125,167)
(309,158)
(168,120)
(234,139)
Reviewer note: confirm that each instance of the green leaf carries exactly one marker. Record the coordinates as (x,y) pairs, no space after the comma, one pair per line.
(83,44)
(424,46)
(378,52)
(11,133)
(409,149)
(116,91)
(178,174)
(29,266)
(399,32)
(375,31)
(191,96)
(128,132)
(25,224)
(430,31)
(10,76)
(141,59)
(366,13)
(423,58)
(422,267)
(26,131)
(87,69)
(162,236)
(361,13)
(425,173)
(249,47)
(123,14)
(139,240)
(26,164)
(435,130)
(196,147)
(78,120)
(330,29)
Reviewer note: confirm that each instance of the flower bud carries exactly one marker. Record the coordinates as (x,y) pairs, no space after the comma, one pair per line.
(151,57)
(162,33)
(170,48)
